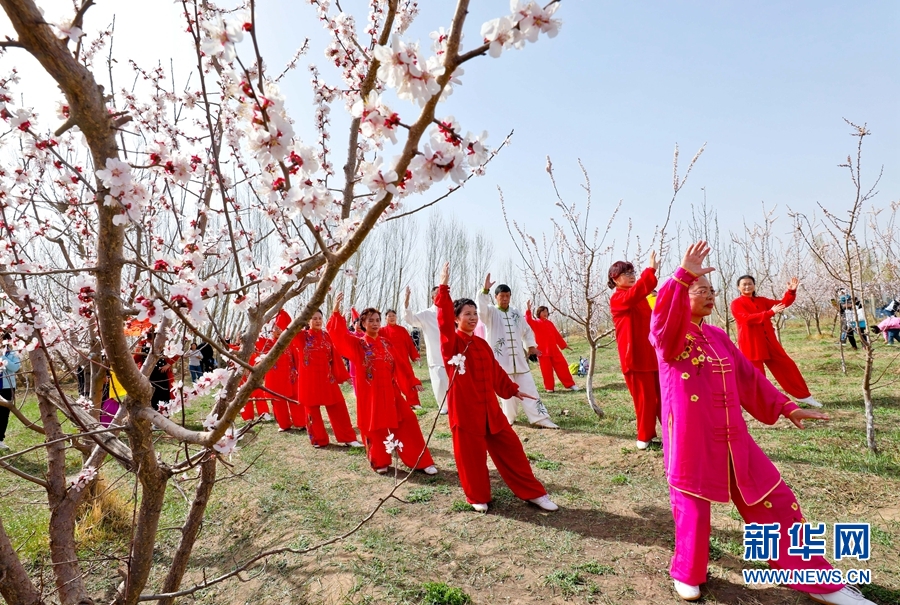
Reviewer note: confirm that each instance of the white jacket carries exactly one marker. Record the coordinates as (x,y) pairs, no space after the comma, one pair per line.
(426,321)
(508,334)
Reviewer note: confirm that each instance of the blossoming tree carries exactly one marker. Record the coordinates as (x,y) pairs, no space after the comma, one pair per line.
(167,206)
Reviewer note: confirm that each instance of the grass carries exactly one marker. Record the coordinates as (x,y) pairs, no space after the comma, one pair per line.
(611,541)
(439,593)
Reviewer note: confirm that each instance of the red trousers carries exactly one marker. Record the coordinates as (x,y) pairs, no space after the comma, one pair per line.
(644,389)
(554,360)
(408,433)
(470,452)
(262,407)
(340,424)
(692,529)
(785,372)
(288,414)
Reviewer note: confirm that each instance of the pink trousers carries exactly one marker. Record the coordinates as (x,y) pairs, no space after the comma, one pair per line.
(692,529)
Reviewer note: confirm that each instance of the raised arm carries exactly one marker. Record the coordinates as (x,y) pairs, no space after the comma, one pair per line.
(672,314)
(645,284)
(345,343)
(486,309)
(409,317)
(446,318)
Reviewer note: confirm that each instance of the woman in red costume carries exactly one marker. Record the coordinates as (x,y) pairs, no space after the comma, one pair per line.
(549,342)
(259,399)
(631,316)
(477,422)
(405,350)
(281,380)
(321,371)
(381,409)
(756,337)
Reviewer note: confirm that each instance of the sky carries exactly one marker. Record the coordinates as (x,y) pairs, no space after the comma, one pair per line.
(765,85)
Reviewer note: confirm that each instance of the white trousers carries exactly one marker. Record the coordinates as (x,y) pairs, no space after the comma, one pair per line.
(534,409)
(439,384)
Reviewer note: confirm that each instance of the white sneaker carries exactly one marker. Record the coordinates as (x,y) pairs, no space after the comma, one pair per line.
(545,423)
(848,595)
(810,401)
(383,470)
(545,502)
(317,446)
(416,407)
(281,430)
(642,445)
(549,391)
(3,446)
(480,508)
(686,591)
(267,417)
(574,387)
(430,470)
(444,411)
(354,443)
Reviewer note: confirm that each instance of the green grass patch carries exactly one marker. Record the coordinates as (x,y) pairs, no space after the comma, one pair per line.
(439,593)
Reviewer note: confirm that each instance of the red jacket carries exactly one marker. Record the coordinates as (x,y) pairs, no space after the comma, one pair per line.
(472,398)
(282,377)
(546,335)
(402,344)
(631,315)
(377,391)
(753,314)
(320,369)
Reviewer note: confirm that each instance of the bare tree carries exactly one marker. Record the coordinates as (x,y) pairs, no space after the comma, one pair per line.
(837,247)
(567,269)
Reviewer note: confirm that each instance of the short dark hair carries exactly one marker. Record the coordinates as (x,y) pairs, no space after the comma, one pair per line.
(540,310)
(434,290)
(366,312)
(501,288)
(460,303)
(618,268)
(394,311)
(742,278)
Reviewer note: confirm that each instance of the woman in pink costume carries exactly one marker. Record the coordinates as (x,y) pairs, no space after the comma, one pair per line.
(708,453)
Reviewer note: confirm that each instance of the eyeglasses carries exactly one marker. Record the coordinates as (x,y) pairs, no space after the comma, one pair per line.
(702,292)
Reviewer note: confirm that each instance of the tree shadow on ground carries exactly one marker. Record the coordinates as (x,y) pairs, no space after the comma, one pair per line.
(653,526)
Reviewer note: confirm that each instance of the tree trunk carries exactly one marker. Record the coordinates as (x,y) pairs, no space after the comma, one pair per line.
(190,529)
(818,324)
(867,399)
(589,383)
(15,585)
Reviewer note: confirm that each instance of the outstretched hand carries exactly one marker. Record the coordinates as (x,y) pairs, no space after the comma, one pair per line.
(338,303)
(445,274)
(799,415)
(406,298)
(653,263)
(528,305)
(778,308)
(793,284)
(693,258)
(488,283)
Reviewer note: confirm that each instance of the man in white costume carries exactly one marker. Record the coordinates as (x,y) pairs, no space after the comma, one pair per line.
(426,321)
(511,338)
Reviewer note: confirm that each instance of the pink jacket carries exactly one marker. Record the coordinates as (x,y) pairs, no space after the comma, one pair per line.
(705,381)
